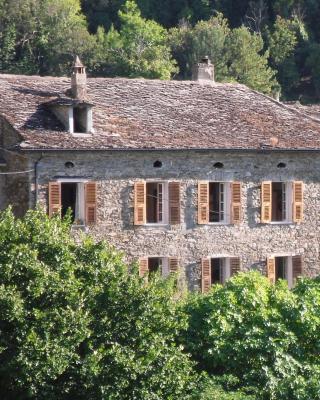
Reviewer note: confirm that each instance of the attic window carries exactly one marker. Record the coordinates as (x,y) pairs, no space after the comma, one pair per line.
(80,119)
(157,164)
(69,164)
(218,165)
(281,165)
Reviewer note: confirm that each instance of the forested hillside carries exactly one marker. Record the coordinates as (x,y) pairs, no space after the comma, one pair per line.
(270,45)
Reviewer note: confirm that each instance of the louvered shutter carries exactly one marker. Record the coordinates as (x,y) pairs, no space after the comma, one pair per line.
(91,202)
(236,202)
(205,274)
(266,202)
(143,266)
(297,267)
(271,269)
(234,265)
(173,265)
(139,203)
(297,201)
(54,198)
(203,202)
(174,203)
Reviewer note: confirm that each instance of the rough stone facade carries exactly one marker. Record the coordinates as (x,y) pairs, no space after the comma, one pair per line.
(252,241)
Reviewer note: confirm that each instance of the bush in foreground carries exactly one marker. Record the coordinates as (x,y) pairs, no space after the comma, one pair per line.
(74,324)
(265,337)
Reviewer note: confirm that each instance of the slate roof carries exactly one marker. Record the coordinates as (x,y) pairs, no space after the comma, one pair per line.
(153,114)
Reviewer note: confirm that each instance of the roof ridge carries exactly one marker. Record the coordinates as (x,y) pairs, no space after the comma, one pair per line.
(281,104)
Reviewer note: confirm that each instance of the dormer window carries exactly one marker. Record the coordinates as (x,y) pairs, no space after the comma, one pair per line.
(80,119)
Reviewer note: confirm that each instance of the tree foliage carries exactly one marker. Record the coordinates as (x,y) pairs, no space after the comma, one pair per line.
(264,337)
(237,53)
(74,324)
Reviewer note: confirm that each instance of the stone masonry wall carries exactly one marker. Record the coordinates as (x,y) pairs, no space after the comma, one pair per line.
(116,173)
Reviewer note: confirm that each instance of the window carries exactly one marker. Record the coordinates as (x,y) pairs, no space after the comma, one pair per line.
(219,202)
(218,270)
(156,203)
(156,206)
(80,119)
(72,197)
(163,265)
(288,268)
(281,202)
(78,197)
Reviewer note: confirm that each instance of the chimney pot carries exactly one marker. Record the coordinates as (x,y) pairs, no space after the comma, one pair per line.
(203,72)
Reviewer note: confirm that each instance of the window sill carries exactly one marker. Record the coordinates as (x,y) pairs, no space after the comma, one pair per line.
(279,223)
(79,227)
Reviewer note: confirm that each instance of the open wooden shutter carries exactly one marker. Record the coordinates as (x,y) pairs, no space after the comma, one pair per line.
(203,202)
(143,266)
(234,265)
(236,202)
(205,274)
(297,267)
(266,202)
(173,265)
(271,269)
(91,202)
(174,203)
(297,201)
(139,203)
(54,198)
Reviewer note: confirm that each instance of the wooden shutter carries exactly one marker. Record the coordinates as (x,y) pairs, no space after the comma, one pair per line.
(203,202)
(54,198)
(91,202)
(173,265)
(174,203)
(297,201)
(234,265)
(205,274)
(143,267)
(236,202)
(139,203)
(271,269)
(266,202)
(297,267)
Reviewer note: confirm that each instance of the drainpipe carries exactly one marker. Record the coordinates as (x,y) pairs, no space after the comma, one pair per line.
(36,164)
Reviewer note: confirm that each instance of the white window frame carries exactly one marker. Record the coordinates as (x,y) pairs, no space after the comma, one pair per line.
(164,265)
(288,267)
(80,201)
(289,202)
(89,121)
(227,203)
(165,203)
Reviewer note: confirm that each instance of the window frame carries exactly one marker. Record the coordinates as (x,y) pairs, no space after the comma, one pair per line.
(289,203)
(288,267)
(80,198)
(227,203)
(165,203)
(89,122)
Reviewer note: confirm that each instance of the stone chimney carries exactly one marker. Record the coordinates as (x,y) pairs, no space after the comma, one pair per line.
(79,80)
(203,71)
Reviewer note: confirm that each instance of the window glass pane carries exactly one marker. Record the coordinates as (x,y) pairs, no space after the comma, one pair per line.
(155,264)
(281,270)
(216,270)
(216,202)
(278,201)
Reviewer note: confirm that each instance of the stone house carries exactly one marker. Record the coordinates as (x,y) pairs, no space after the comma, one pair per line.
(201,177)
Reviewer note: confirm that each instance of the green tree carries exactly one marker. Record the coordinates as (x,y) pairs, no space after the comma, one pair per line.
(42,36)
(138,49)
(237,54)
(260,335)
(75,324)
